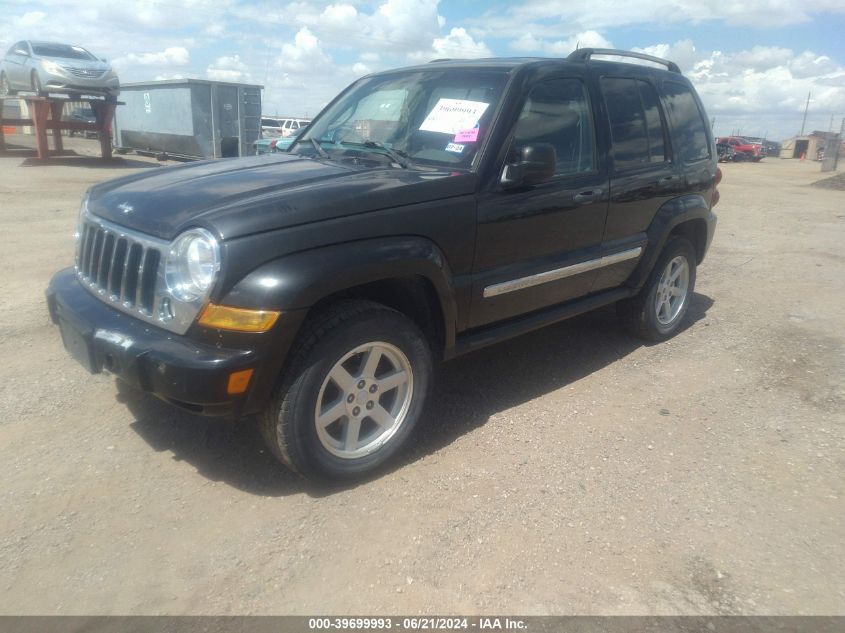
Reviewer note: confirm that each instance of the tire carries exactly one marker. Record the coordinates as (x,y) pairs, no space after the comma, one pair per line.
(656,313)
(339,342)
(5,87)
(37,88)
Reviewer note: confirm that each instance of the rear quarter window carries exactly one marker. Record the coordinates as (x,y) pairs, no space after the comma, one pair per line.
(636,126)
(690,130)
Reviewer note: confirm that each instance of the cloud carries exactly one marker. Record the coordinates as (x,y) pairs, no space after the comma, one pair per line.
(549,20)
(585,39)
(305,54)
(228,69)
(361,69)
(457,44)
(172,56)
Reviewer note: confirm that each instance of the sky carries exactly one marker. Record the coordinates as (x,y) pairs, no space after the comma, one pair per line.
(752,61)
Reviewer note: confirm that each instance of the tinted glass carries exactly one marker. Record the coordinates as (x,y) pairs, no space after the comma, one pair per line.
(627,122)
(62,50)
(688,122)
(558,113)
(654,124)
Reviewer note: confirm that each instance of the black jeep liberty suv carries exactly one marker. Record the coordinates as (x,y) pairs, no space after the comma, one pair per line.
(426,212)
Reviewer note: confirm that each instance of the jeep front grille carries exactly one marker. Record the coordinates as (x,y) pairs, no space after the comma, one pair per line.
(125,269)
(118,267)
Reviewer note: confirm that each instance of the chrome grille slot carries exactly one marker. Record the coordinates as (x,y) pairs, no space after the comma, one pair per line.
(106,253)
(94,265)
(85,72)
(118,269)
(130,276)
(149,272)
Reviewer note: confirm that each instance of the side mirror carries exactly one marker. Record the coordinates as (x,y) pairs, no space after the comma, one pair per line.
(535,163)
(103,59)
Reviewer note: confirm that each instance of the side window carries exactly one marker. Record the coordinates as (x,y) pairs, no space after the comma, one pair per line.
(557,112)
(688,122)
(635,123)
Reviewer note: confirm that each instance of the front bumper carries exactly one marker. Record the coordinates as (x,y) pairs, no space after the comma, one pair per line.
(179,369)
(68,83)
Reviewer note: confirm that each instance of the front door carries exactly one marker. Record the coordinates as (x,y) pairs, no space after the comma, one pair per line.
(16,68)
(535,244)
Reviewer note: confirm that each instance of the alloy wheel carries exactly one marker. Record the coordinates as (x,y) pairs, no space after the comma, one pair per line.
(672,290)
(364,400)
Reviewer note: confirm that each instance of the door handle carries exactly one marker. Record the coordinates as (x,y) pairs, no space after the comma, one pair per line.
(584,197)
(667,179)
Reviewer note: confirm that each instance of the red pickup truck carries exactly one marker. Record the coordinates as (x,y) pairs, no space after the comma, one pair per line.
(743,148)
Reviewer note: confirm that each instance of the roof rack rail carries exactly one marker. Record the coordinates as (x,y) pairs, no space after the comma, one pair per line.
(442,59)
(584,54)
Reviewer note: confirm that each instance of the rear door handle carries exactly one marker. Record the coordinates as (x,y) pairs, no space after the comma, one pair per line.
(584,197)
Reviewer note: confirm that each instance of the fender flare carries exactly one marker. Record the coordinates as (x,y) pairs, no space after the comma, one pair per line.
(671,214)
(300,280)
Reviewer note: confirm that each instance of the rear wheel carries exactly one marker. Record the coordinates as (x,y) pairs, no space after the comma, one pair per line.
(353,394)
(656,313)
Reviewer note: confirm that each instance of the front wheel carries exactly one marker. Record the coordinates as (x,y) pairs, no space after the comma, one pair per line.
(656,313)
(353,393)
(5,87)
(37,88)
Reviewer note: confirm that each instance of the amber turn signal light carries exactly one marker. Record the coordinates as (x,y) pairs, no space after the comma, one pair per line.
(238,381)
(238,319)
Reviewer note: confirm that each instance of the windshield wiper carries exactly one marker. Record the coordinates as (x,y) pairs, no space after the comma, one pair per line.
(400,158)
(323,153)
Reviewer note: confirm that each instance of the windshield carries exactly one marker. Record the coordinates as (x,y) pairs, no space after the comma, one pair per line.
(434,117)
(62,50)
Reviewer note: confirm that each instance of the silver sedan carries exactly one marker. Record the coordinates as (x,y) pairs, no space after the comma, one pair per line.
(45,67)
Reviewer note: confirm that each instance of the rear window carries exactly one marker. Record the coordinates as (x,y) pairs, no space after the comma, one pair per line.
(270,123)
(688,121)
(636,125)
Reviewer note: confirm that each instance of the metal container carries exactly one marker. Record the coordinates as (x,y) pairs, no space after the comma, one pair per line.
(188,118)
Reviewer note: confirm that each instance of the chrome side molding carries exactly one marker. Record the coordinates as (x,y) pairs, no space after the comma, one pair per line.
(561,273)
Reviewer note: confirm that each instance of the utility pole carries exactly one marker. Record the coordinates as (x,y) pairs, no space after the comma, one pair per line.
(804,122)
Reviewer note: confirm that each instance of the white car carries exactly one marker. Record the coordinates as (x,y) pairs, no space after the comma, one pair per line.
(45,67)
(273,127)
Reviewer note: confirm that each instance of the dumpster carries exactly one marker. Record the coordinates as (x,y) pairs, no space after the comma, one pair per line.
(188,118)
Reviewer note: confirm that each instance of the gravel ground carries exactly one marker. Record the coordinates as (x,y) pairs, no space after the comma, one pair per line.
(570,471)
(832,182)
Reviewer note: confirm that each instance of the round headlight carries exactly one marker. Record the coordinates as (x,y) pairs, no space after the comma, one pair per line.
(191,265)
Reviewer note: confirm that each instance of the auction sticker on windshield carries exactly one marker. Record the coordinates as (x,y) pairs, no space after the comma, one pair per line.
(451,116)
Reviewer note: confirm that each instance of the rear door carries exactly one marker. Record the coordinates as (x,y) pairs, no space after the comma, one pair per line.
(535,244)
(644,173)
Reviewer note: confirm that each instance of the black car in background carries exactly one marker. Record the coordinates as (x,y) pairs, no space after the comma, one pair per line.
(425,213)
(81,114)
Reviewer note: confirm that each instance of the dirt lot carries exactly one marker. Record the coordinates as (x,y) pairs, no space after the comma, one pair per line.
(573,470)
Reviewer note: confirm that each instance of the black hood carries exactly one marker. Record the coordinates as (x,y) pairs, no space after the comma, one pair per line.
(242,196)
